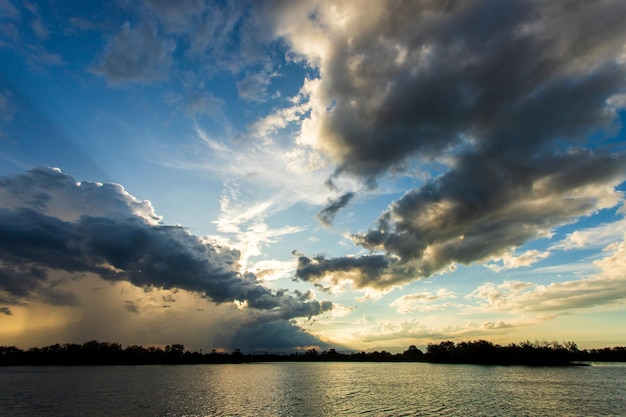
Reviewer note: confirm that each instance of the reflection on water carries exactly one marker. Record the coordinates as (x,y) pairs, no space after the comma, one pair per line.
(312,389)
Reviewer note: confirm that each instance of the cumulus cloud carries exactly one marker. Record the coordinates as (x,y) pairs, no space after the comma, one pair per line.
(117,238)
(414,330)
(598,236)
(400,333)
(469,216)
(405,78)
(507,94)
(603,288)
(510,261)
(136,54)
(360,271)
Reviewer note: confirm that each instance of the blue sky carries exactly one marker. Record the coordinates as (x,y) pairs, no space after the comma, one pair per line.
(280,175)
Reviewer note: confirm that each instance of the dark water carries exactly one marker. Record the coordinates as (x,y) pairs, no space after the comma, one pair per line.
(313,389)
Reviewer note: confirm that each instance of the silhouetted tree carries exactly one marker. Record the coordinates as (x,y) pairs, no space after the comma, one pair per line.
(478,352)
(412,352)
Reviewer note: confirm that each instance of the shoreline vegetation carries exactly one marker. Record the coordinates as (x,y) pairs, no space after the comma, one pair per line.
(479,352)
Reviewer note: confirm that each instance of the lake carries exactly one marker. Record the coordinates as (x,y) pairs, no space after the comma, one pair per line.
(313,389)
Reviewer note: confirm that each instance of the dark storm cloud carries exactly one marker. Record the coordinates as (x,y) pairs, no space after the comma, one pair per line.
(455,219)
(273,336)
(419,76)
(21,284)
(517,98)
(124,246)
(328,213)
(363,271)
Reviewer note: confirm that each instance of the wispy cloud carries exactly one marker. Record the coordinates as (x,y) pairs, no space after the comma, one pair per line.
(136,55)
(422,302)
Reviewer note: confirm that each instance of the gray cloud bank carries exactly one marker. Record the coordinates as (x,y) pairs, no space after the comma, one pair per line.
(519,99)
(50,224)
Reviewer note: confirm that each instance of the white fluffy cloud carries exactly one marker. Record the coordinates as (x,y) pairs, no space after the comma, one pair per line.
(607,287)
(510,261)
(597,236)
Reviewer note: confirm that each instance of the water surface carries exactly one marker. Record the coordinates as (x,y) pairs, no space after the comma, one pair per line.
(313,389)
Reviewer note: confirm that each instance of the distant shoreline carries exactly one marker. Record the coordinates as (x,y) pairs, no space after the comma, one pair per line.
(479,352)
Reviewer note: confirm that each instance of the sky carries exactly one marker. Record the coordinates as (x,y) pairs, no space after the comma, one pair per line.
(286,175)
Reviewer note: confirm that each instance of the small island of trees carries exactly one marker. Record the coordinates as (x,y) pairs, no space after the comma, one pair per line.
(479,352)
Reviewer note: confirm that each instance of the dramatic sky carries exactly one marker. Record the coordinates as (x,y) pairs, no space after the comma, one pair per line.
(278,175)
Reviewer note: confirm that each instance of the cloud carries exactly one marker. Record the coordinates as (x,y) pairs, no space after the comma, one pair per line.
(592,237)
(402,79)
(39,29)
(421,302)
(606,287)
(360,271)
(206,104)
(219,35)
(274,336)
(120,240)
(58,195)
(507,96)
(7,111)
(18,285)
(136,54)
(417,331)
(269,270)
(5,311)
(328,213)
(247,225)
(253,87)
(9,11)
(496,325)
(510,261)
(398,334)
(465,217)
(177,17)
(23,29)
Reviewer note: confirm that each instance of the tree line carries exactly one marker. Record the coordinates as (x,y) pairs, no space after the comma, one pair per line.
(472,352)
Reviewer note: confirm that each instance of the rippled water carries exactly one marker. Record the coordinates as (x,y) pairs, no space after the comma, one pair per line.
(313,389)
